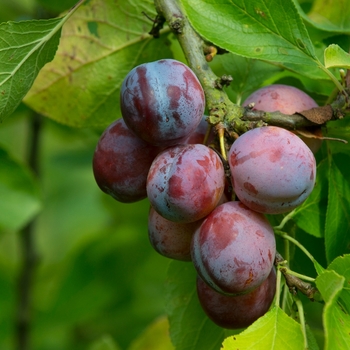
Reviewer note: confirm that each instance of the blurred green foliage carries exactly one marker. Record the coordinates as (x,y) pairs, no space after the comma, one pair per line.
(97,273)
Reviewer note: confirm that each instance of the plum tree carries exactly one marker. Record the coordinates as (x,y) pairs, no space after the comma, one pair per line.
(238,311)
(185,182)
(272,169)
(162,102)
(121,163)
(285,99)
(234,249)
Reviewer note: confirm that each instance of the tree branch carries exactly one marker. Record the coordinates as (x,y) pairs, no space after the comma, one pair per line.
(28,252)
(222,111)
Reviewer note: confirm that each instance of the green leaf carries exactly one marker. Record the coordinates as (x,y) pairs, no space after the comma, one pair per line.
(330,15)
(311,215)
(273,32)
(19,193)
(100,44)
(25,47)
(274,331)
(155,337)
(248,74)
(341,265)
(335,319)
(335,56)
(190,328)
(337,240)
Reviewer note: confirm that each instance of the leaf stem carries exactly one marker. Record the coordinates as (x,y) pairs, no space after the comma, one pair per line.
(284,221)
(296,274)
(295,242)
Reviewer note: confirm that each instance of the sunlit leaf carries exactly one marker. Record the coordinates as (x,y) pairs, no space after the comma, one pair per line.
(335,56)
(25,47)
(274,331)
(273,32)
(100,44)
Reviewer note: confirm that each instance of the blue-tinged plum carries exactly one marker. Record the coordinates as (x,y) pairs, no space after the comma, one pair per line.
(121,163)
(162,102)
(171,239)
(234,249)
(234,312)
(287,100)
(186,182)
(273,170)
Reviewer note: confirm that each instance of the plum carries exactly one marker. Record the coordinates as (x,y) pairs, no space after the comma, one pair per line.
(121,162)
(171,239)
(234,248)
(273,170)
(233,312)
(287,100)
(162,102)
(185,182)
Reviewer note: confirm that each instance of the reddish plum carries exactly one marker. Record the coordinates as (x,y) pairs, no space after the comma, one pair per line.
(121,163)
(186,182)
(239,311)
(272,169)
(234,249)
(287,100)
(162,102)
(171,239)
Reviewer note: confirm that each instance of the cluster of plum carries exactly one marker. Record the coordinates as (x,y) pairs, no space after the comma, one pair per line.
(156,151)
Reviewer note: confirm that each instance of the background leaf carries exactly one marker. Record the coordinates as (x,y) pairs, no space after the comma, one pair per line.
(274,331)
(25,47)
(330,15)
(338,216)
(155,337)
(100,44)
(106,342)
(248,74)
(19,193)
(190,328)
(311,215)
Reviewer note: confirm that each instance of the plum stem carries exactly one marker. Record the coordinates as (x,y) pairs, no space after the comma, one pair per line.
(285,220)
(295,242)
